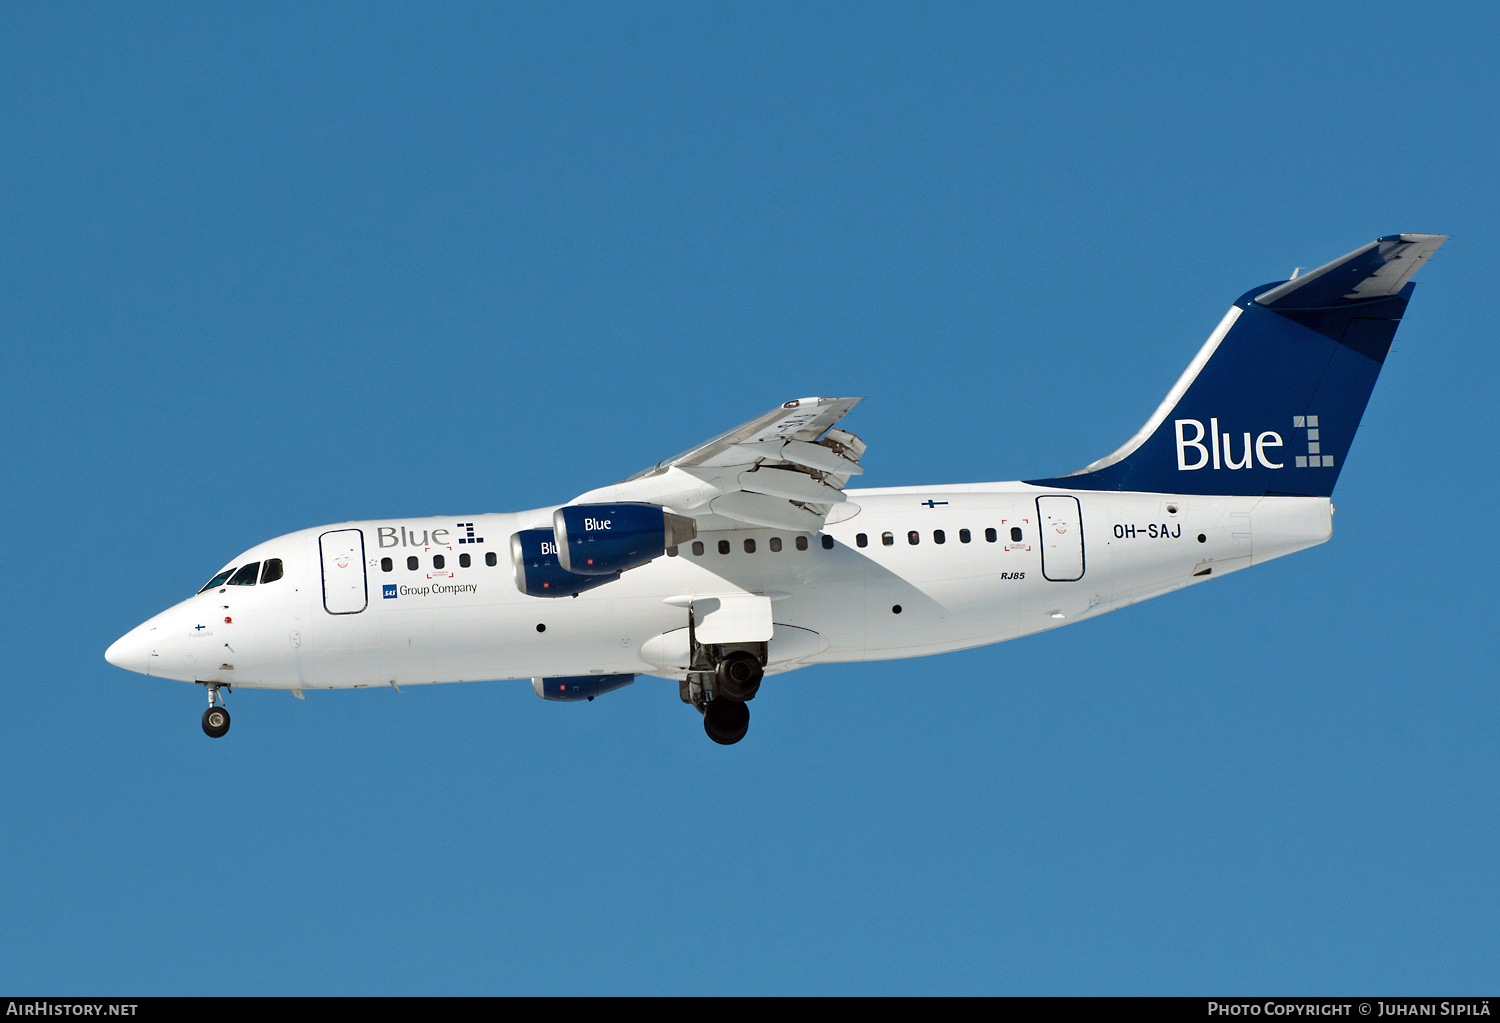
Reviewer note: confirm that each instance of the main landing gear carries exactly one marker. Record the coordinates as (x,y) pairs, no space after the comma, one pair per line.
(723,677)
(721,695)
(738,676)
(216,718)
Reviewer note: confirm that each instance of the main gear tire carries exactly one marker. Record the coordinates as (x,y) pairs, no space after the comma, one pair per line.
(726,721)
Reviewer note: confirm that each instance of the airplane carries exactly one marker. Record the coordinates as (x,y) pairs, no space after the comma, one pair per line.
(749,556)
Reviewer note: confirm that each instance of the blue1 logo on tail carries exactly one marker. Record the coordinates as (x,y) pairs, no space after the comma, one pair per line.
(1222,444)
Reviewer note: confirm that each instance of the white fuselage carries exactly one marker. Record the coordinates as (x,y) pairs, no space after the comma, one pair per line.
(459,624)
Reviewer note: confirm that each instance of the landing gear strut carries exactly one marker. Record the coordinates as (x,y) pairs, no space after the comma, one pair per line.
(216,718)
(726,721)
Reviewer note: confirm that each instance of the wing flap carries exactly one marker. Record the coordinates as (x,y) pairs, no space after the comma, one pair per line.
(784,470)
(791,485)
(804,419)
(763,510)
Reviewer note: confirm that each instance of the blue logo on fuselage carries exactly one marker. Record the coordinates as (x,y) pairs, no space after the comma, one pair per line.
(388,591)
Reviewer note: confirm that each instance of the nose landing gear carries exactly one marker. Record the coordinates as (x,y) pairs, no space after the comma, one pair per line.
(216,718)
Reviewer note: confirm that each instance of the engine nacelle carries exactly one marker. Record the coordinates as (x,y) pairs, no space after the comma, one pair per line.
(571,689)
(533,552)
(607,539)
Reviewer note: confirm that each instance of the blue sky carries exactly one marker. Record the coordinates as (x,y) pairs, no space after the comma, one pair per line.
(264,267)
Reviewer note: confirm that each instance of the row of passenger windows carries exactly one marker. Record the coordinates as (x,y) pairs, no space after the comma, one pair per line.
(939,536)
(439,561)
(774,543)
(271,570)
(246,575)
(914,537)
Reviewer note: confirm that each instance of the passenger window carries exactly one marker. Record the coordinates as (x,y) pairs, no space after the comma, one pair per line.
(775,544)
(861,540)
(887,539)
(697,548)
(438,561)
(217,580)
(386,564)
(827,542)
(723,546)
(489,558)
(749,545)
(938,536)
(990,535)
(802,543)
(246,575)
(1015,534)
(463,561)
(913,538)
(272,571)
(964,536)
(411,563)
(672,551)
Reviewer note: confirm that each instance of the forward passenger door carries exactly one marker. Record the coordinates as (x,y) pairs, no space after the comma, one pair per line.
(343,556)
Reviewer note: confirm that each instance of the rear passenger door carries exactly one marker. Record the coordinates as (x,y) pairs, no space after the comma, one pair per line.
(1062,538)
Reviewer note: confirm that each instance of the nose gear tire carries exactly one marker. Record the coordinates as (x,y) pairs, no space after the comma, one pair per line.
(215,722)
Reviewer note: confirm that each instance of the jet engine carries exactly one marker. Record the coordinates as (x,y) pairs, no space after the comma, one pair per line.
(607,539)
(572,688)
(533,552)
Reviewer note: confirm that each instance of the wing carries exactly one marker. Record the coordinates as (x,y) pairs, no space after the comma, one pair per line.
(786,469)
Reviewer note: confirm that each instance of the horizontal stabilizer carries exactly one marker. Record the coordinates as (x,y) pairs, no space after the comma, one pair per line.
(1377,270)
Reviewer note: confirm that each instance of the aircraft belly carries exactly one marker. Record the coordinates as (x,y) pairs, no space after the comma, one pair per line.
(818,591)
(939,614)
(466,643)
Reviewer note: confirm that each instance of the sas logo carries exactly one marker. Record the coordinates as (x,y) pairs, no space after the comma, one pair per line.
(1193,453)
(388,591)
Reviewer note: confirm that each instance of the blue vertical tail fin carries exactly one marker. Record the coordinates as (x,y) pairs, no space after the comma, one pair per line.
(1271,402)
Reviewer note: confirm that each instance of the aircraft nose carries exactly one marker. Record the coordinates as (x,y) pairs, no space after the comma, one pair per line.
(131,651)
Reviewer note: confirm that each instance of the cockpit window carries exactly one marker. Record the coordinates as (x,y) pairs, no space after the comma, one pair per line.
(217,580)
(246,575)
(272,571)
